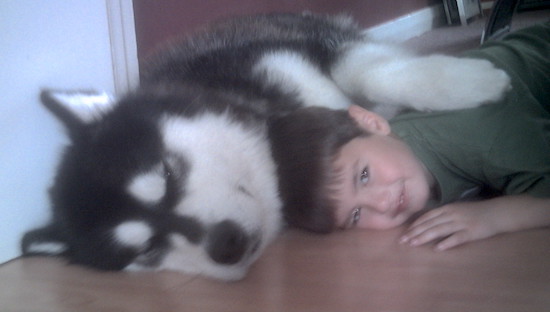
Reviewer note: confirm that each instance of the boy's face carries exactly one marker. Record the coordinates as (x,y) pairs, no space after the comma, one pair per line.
(381,182)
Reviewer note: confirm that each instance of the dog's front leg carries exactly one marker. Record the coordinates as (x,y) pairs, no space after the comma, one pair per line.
(389,76)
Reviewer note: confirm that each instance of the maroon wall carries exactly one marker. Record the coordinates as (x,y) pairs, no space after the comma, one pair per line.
(158,20)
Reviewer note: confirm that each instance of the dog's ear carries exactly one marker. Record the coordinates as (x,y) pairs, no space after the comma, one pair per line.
(45,241)
(76,109)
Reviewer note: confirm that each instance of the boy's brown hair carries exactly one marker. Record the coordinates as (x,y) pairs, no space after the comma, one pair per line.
(305,144)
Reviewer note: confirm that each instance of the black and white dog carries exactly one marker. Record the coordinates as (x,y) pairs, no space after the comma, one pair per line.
(179,174)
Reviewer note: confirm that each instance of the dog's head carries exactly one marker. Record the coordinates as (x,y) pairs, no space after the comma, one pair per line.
(160,181)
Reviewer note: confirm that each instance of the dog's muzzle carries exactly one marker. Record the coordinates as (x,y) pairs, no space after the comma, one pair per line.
(228,243)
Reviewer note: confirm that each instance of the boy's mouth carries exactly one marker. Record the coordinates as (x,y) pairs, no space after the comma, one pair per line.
(400,206)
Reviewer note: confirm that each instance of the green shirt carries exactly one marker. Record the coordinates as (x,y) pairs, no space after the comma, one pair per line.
(503,146)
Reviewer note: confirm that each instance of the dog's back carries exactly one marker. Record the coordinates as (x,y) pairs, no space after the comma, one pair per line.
(244,56)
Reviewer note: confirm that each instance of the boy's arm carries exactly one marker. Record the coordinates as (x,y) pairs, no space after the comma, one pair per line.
(461,222)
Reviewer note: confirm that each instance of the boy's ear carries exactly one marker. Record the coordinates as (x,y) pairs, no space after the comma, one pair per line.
(369,121)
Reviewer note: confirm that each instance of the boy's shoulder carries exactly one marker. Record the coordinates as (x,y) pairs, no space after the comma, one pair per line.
(481,146)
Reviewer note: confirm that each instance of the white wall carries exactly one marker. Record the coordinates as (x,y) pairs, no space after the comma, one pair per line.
(54,44)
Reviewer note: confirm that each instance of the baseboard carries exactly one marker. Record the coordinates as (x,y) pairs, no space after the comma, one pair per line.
(408,26)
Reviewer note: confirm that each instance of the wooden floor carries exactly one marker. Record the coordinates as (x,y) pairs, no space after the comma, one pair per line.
(353,271)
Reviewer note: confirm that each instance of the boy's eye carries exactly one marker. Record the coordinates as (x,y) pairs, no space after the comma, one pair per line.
(364,176)
(353,219)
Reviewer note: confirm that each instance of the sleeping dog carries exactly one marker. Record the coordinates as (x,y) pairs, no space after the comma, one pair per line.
(179,174)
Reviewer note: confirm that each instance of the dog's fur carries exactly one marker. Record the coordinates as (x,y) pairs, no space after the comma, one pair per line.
(179,174)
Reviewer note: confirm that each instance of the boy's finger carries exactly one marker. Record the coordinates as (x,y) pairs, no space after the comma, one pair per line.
(421,236)
(454,240)
(428,217)
(428,223)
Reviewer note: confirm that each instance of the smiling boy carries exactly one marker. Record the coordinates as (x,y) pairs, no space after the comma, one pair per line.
(356,169)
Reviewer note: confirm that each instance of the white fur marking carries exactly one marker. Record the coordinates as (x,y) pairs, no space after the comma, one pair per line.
(48,248)
(223,156)
(87,106)
(293,73)
(133,234)
(148,187)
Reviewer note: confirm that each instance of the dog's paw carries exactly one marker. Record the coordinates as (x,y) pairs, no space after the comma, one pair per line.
(439,82)
(472,82)
(434,82)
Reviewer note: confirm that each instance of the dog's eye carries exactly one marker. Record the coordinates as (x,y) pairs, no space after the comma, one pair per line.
(173,171)
(167,170)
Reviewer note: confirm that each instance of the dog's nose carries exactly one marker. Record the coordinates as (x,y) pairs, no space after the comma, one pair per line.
(227,242)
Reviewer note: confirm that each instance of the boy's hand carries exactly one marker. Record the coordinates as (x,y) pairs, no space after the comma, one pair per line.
(458,223)
(451,225)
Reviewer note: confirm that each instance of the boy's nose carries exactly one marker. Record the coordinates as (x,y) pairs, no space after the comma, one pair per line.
(378,202)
